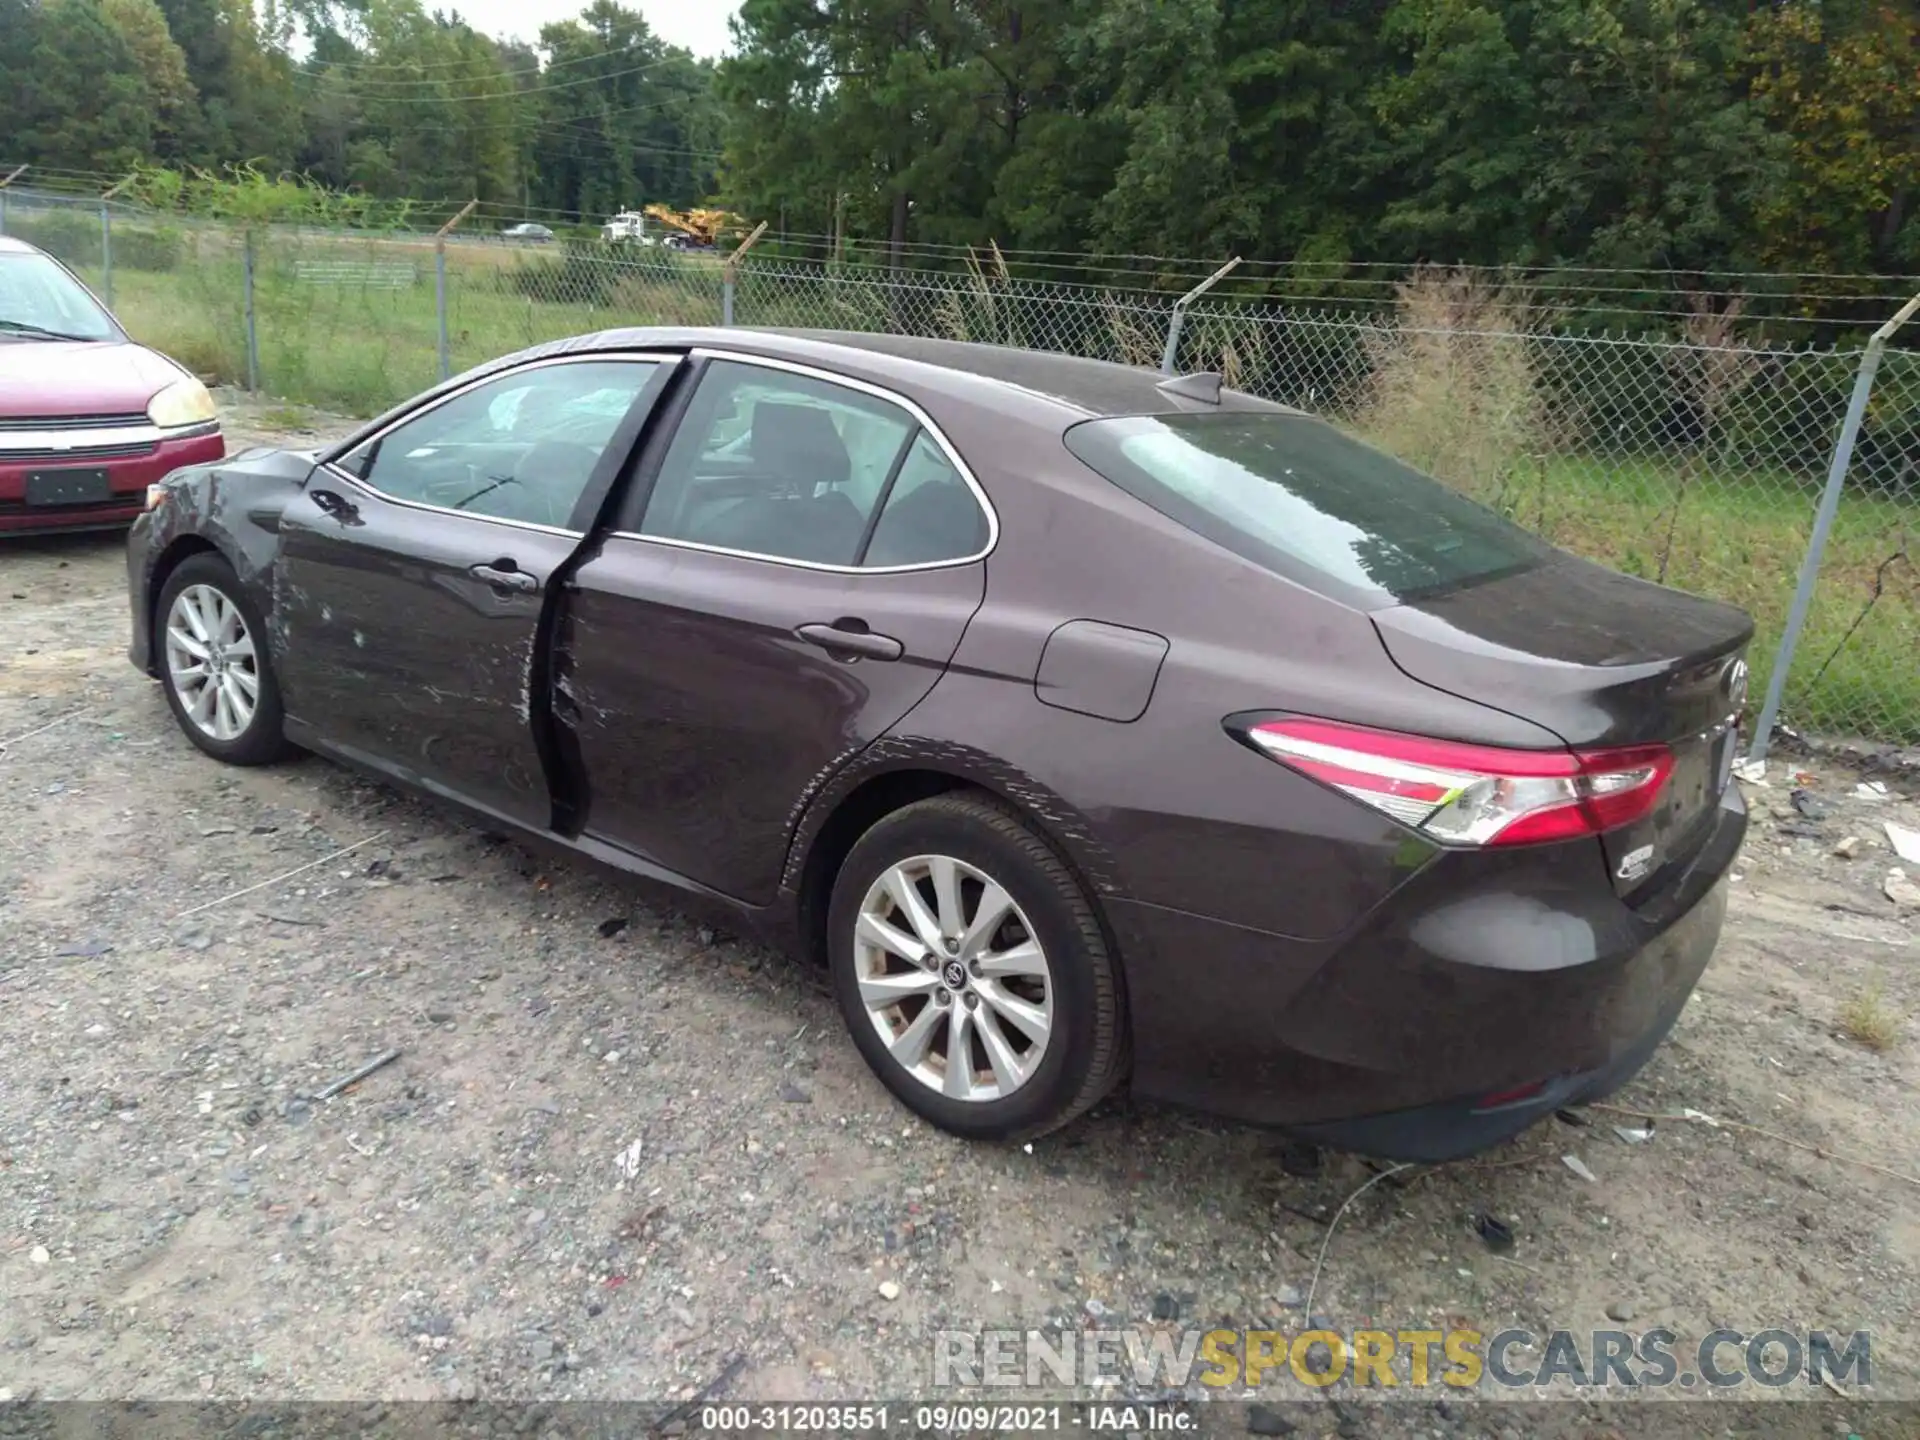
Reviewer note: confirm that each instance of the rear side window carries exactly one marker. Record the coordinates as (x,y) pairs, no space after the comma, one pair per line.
(1300,498)
(930,516)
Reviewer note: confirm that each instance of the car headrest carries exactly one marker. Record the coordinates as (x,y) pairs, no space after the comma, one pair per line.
(798,443)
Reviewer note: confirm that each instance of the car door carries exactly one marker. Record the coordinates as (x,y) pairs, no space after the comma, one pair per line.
(413,572)
(791,576)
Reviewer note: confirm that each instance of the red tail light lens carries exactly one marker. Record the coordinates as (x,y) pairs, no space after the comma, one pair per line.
(1473,794)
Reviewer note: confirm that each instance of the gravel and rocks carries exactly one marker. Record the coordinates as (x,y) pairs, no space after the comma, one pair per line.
(617,1150)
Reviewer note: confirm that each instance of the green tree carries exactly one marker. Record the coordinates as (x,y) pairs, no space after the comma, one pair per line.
(1540,131)
(1841,80)
(78,52)
(173,102)
(619,118)
(431,111)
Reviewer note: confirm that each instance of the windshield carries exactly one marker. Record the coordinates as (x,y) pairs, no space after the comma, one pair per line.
(37,295)
(1297,496)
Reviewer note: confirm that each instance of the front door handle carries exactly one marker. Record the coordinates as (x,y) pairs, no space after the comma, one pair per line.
(503,574)
(839,639)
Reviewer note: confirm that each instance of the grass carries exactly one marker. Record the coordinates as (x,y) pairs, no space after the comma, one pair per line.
(1868,1020)
(1741,538)
(1738,534)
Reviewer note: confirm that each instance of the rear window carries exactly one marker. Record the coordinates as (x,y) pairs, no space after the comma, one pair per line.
(1300,498)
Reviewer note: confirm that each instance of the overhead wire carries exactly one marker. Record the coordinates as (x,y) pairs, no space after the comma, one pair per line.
(511,92)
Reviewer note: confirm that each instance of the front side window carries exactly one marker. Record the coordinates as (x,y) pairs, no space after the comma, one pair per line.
(1297,496)
(38,299)
(790,467)
(522,446)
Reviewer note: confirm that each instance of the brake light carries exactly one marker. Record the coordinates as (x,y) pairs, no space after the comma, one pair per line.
(1473,794)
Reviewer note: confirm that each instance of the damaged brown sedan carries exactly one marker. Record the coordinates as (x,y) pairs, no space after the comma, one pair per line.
(1090,726)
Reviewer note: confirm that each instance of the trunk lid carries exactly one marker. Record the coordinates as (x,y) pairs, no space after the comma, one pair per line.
(1600,659)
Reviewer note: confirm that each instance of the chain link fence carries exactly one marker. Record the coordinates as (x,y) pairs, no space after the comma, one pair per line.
(1696,458)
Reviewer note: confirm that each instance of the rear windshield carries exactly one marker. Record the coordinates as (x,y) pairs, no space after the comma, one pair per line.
(1300,498)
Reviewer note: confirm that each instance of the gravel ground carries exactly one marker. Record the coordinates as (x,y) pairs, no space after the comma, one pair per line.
(618,1151)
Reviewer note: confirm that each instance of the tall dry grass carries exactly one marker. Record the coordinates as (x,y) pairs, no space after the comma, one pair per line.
(1453,386)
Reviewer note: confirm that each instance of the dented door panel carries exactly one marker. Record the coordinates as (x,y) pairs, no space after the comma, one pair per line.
(394,652)
(698,718)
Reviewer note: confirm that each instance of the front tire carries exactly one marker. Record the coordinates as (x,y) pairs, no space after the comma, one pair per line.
(972,972)
(214,664)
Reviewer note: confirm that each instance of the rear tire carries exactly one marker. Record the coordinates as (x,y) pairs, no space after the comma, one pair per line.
(211,644)
(955,930)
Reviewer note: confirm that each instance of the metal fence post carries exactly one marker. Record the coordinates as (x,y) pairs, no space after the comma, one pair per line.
(727,273)
(440,285)
(5,181)
(253,335)
(106,254)
(1178,322)
(1823,525)
(106,237)
(440,306)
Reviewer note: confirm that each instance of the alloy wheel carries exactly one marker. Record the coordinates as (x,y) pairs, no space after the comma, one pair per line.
(953,978)
(211,662)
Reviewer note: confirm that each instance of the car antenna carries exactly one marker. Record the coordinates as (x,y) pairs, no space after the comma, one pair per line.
(1204,385)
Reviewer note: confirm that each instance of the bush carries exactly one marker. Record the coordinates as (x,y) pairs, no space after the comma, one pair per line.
(72,236)
(593,273)
(157,248)
(1453,387)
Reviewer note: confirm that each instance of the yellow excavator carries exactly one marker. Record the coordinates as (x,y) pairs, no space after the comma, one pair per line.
(695,229)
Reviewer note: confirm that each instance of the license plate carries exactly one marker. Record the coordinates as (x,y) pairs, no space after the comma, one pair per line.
(67,487)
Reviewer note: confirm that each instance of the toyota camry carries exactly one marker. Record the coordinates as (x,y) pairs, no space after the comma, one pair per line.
(1092,727)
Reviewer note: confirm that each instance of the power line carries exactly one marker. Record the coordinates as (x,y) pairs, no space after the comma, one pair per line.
(673,53)
(514,92)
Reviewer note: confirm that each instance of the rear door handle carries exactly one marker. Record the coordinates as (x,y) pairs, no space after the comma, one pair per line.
(505,575)
(334,504)
(839,640)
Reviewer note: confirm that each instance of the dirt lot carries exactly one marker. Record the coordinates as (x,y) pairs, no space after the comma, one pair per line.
(177,1220)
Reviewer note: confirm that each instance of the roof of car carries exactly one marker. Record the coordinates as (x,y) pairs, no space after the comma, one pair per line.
(11,246)
(1081,386)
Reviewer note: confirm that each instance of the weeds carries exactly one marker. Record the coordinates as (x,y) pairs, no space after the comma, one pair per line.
(1868,1020)
(1710,370)
(1453,387)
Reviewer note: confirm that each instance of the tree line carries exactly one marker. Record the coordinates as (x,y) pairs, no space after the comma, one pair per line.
(377,96)
(1693,135)
(1670,134)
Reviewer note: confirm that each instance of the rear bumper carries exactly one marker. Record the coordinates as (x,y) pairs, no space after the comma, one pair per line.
(127,478)
(1481,976)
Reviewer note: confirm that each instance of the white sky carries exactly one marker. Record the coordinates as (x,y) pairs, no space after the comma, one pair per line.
(698,25)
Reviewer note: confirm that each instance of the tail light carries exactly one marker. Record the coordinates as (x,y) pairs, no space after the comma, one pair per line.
(1473,794)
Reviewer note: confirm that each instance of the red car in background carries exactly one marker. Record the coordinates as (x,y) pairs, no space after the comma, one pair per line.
(88,419)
